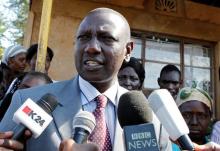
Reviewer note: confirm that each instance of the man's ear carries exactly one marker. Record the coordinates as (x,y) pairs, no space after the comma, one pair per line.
(129,47)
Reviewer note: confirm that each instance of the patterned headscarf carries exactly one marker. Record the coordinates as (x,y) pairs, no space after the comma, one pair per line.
(188,94)
(11,52)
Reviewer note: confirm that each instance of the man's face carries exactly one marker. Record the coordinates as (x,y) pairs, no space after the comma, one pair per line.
(100,48)
(197,117)
(33,60)
(170,81)
(30,81)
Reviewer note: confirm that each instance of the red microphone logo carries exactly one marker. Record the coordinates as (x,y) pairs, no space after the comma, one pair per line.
(33,115)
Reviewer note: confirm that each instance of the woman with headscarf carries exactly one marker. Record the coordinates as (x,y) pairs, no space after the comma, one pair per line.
(215,137)
(131,74)
(13,63)
(196,107)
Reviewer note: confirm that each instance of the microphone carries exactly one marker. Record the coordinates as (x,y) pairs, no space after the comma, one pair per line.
(135,117)
(83,124)
(166,110)
(34,116)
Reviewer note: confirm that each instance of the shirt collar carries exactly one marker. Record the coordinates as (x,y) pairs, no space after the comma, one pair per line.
(90,92)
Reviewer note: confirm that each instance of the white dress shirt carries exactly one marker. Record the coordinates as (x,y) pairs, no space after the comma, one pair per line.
(89,93)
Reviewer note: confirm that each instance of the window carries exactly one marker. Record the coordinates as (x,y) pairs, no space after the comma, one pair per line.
(197,69)
(193,58)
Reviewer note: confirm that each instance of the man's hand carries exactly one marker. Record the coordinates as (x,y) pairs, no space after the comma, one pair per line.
(7,144)
(211,146)
(70,145)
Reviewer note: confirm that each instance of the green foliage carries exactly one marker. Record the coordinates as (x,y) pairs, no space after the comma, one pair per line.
(20,7)
(2,30)
(12,25)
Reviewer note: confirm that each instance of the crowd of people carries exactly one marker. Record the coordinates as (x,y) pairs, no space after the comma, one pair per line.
(17,70)
(105,70)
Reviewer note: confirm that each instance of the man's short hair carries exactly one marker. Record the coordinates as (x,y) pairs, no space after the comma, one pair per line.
(37,74)
(169,68)
(32,50)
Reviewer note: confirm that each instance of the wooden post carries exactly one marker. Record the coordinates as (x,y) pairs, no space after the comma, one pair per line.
(217,81)
(43,35)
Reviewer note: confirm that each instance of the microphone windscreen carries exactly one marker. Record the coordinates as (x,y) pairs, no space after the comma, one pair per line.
(166,110)
(48,102)
(84,120)
(133,109)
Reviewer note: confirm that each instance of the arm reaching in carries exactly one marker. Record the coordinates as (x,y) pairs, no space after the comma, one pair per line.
(211,146)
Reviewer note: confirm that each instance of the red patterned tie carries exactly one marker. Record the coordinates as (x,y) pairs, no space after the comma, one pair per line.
(100,134)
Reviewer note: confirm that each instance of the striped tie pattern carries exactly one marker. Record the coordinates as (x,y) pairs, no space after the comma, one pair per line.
(100,134)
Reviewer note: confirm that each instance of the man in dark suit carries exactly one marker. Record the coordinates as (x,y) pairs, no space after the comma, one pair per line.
(102,43)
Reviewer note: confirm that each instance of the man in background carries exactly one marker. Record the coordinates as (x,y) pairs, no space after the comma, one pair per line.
(24,81)
(31,57)
(170,79)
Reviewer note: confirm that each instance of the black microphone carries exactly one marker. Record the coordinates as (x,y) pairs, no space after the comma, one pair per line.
(34,116)
(135,117)
(83,124)
(165,108)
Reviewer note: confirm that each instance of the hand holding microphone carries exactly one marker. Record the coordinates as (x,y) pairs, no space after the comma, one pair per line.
(70,145)
(7,143)
(211,146)
(34,116)
(83,124)
(26,116)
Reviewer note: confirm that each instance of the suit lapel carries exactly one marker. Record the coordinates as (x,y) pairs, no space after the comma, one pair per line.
(70,104)
(70,99)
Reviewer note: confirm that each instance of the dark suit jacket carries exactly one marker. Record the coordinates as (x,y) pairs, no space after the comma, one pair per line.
(68,94)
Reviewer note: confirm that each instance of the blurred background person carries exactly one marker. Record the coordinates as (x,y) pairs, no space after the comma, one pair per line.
(14,58)
(170,79)
(215,137)
(196,107)
(31,57)
(13,64)
(131,74)
(27,80)
(34,78)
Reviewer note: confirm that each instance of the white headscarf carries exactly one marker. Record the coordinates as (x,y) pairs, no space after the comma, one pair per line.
(189,94)
(11,52)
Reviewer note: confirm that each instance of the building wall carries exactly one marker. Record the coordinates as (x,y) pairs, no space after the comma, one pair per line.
(189,20)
